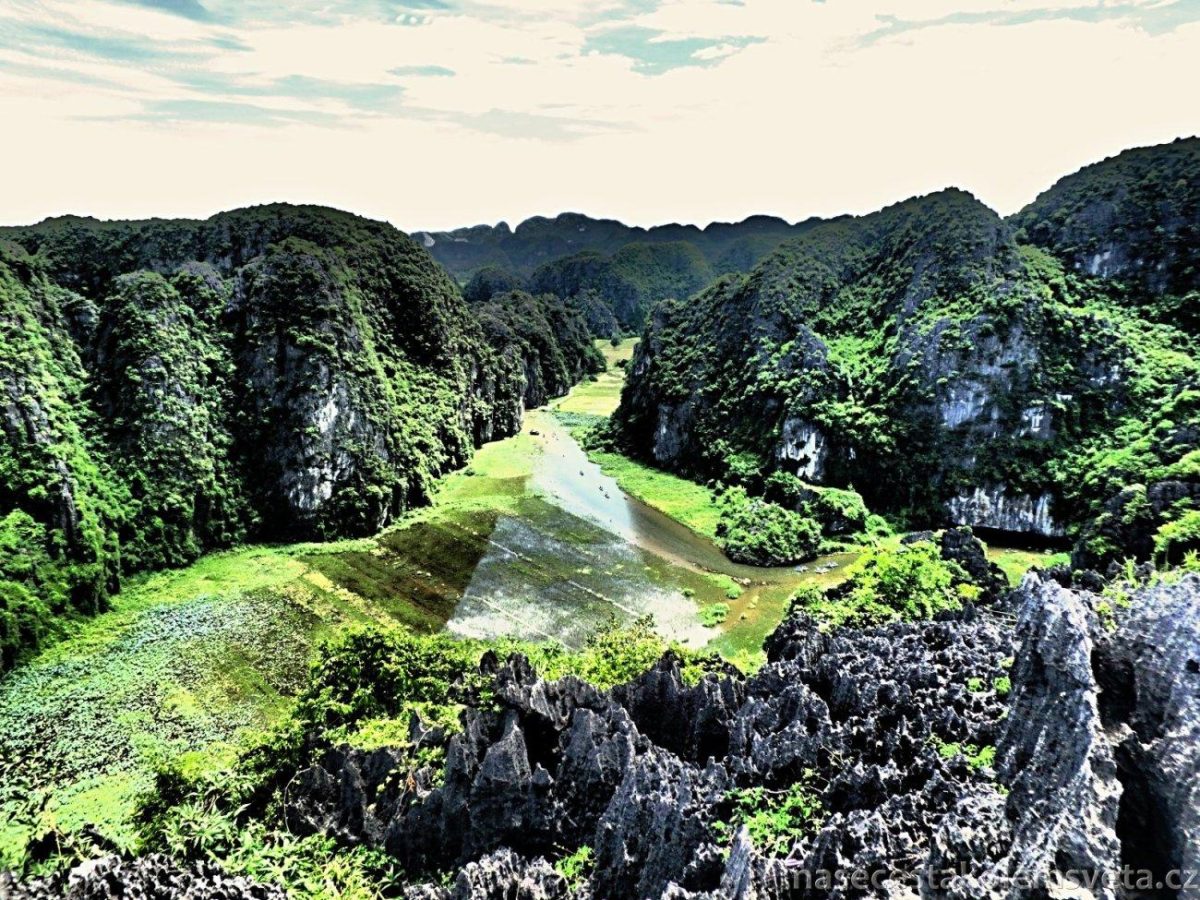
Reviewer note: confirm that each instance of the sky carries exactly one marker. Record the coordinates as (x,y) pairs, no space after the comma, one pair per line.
(434,114)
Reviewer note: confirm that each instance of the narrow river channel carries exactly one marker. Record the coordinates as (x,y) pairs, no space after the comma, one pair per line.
(583,551)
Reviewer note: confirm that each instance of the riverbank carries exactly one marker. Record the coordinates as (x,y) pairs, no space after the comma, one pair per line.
(534,540)
(531,540)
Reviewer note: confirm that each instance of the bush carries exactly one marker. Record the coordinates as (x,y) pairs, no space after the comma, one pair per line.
(910,583)
(577,867)
(877,527)
(1174,539)
(764,534)
(787,490)
(775,820)
(839,511)
(373,674)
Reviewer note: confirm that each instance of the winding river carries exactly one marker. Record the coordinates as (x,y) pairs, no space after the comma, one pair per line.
(583,550)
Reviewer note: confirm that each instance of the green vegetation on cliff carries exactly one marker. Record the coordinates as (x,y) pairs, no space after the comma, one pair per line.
(1133,219)
(61,504)
(947,371)
(174,387)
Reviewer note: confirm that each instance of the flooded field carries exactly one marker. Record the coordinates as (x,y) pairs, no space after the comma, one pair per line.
(571,549)
(565,548)
(533,540)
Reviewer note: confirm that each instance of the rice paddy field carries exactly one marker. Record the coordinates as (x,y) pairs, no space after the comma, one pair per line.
(535,539)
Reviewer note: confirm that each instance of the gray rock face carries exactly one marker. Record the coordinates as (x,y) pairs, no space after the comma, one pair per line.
(960,546)
(1054,754)
(153,877)
(505,876)
(1097,747)
(1100,751)
(641,774)
(805,447)
(992,506)
(1149,670)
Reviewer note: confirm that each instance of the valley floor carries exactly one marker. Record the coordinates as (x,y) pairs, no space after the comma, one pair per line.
(534,539)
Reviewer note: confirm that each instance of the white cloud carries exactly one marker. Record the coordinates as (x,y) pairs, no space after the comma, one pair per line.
(810,119)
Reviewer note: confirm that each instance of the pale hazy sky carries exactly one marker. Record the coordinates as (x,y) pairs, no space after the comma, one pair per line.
(439,113)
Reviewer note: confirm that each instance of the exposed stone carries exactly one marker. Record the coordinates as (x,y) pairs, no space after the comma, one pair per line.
(993,507)
(154,877)
(1097,744)
(960,546)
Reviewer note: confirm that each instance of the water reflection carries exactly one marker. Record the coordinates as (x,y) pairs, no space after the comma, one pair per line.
(580,550)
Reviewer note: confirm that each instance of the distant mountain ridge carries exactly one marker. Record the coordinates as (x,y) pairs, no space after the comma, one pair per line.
(728,246)
(614,273)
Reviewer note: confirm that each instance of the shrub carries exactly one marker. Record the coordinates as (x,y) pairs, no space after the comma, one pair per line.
(714,615)
(839,511)
(977,758)
(909,583)
(373,674)
(764,534)
(775,820)
(577,867)
(787,490)
(1174,539)
(877,527)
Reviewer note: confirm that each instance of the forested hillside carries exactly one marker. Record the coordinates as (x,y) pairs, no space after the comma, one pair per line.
(612,271)
(278,372)
(727,246)
(934,358)
(1133,220)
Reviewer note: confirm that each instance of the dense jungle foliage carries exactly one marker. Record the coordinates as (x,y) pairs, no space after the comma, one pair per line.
(172,387)
(935,359)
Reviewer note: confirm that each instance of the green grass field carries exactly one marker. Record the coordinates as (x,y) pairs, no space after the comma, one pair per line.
(184,663)
(188,661)
(602,396)
(687,502)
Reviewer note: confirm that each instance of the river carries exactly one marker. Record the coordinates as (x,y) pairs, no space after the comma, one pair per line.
(583,551)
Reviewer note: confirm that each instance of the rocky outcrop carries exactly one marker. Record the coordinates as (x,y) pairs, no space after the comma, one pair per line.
(1054,753)
(1133,218)
(931,358)
(960,546)
(172,387)
(1149,673)
(629,281)
(847,376)
(1098,750)
(927,778)
(153,877)
(1127,525)
(643,774)
(1092,751)
(542,337)
(992,506)
(501,875)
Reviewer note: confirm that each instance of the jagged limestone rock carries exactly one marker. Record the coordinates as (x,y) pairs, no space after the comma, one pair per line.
(155,877)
